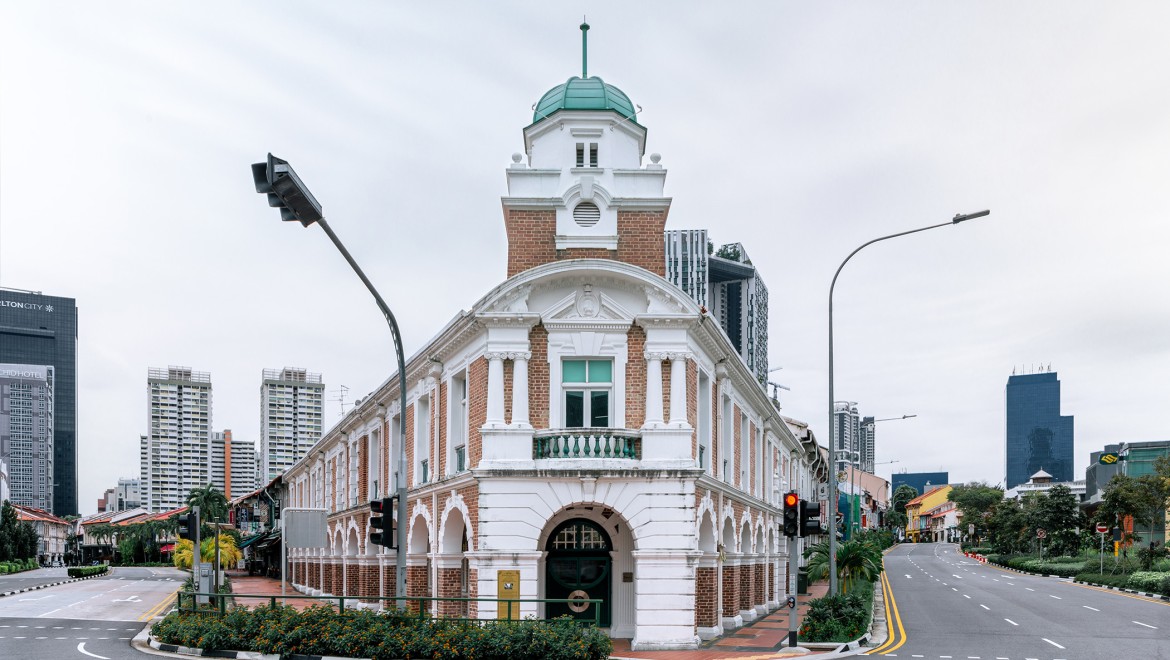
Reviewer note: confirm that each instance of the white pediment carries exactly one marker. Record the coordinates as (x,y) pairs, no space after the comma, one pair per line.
(587,304)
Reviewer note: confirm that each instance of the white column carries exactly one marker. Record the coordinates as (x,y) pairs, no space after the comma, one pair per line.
(654,388)
(520,389)
(678,389)
(495,398)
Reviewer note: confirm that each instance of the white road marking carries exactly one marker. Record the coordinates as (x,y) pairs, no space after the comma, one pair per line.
(1052,643)
(1090,608)
(1029,588)
(985,607)
(81,648)
(1056,597)
(966,596)
(953,589)
(1011,622)
(956,576)
(1146,625)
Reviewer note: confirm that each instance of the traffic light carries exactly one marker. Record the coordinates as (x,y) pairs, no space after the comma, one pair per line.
(791,515)
(382,522)
(810,519)
(285,191)
(188,525)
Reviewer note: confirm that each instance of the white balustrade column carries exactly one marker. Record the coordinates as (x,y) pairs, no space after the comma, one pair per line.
(495,393)
(520,389)
(678,389)
(654,388)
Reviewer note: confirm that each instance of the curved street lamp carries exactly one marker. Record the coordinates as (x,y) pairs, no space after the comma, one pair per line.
(961,217)
(287,192)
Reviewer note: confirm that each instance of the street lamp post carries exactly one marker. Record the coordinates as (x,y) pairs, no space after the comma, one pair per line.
(961,217)
(287,192)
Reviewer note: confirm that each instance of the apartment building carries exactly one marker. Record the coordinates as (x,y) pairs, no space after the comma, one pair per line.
(176,454)
(291,418)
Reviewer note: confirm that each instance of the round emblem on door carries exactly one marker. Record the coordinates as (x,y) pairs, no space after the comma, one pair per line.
(575,603)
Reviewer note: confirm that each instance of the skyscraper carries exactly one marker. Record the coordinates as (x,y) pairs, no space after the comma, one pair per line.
(176,453)
(846,433)
(291,418)
(40,331)
(26,432)
(866,442)
(1037,436)
(726,283)
(233,464)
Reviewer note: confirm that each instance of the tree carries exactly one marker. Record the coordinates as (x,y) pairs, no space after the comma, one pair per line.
(211,502)
(1006,527)
(975,501)
(902,494)
(1143,498)
(1059,515)
(856,560)
(229,554)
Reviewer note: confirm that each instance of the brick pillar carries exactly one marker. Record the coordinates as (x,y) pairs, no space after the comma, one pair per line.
(416,584)
(448,579)
(771,580)
(760,597)
(327,579)
(706,597)
(730,590)
(745,587)
(353,577)
(389,580)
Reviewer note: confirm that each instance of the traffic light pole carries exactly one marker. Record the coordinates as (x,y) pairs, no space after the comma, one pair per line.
(793,623)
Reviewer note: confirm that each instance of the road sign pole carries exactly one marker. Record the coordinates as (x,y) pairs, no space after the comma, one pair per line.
(1101,564)
(792,615)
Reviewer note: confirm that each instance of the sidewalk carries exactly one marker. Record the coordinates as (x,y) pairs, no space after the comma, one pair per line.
(762,639)
(242,583)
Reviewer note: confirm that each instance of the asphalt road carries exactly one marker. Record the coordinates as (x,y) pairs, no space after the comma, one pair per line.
(93,618)
(32,578)
(952,607)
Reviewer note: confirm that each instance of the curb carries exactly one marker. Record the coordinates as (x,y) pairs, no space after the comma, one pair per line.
(1123,590)
(240,655)
(54,584)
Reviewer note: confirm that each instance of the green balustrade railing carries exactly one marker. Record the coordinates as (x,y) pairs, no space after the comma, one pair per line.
(587,443)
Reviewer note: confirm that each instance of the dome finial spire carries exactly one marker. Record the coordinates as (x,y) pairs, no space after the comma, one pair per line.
(584,48)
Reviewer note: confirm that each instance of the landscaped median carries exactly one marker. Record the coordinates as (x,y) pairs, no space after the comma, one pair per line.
(323,631)
(87,571)
(1118,575)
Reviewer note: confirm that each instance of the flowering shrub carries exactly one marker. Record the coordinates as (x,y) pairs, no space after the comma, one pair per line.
(321,630)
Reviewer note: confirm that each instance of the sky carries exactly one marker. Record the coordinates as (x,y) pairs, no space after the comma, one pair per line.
(801,130)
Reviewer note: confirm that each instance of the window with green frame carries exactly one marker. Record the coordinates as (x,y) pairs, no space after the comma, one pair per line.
(588,388)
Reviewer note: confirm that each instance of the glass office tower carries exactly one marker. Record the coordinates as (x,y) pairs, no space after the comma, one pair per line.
(1037,435)
(40,330)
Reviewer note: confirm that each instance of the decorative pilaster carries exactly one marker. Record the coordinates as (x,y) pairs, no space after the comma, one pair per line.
(519,388)
(495,394)
(678,389)
(654,388)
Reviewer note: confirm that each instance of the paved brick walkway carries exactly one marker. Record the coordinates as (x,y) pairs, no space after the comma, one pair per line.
(761,639)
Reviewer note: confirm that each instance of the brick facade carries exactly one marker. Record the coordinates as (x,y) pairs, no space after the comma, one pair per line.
(477,377)
(730,590)
(636,378)
(641,240)
(532,240)
(706,597)
(538,377)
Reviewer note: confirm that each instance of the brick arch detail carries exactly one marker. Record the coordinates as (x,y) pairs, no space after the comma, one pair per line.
(455,502)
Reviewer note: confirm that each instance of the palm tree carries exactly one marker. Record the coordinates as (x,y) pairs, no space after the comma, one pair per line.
(211,502)
(856,560)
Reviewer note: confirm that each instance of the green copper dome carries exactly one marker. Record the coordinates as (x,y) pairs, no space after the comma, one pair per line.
(591,93)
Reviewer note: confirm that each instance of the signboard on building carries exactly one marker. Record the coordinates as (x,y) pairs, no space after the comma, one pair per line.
(304,528)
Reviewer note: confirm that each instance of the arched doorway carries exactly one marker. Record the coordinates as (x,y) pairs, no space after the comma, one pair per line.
(578,566)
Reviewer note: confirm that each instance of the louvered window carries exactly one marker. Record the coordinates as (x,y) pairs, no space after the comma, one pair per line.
(586,214)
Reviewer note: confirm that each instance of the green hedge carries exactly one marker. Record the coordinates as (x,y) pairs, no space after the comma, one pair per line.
(1148,581)
(840,618)
(321,630)
(86,571)
(1107,579)
(16,566)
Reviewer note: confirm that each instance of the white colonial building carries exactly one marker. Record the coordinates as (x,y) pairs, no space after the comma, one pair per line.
(585,425)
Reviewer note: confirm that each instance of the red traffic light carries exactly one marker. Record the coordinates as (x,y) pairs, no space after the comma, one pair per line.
(791,499)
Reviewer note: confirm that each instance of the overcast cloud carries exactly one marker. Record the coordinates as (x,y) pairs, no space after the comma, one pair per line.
(801,130)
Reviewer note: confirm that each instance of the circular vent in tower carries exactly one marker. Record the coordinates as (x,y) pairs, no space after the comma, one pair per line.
(586,214)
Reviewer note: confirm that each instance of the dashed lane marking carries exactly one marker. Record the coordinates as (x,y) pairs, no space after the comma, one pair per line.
(1011,622)
(1090,608)
(1052,643)
(1146,625)
(985,607)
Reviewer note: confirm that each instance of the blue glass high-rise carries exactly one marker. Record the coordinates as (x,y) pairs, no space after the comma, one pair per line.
(1037,435)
